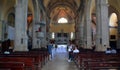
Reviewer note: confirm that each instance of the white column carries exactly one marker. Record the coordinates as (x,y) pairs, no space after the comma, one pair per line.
(85,33)
(48,32)
(81,29)
(102,35)
(118,40)
(21,39)
(36,20)
(88,26)
(1,31)
(43,41)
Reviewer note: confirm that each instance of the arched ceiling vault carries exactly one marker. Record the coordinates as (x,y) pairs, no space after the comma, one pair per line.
(61,8)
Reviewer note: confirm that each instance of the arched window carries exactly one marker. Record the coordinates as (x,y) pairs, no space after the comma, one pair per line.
(11,19)
(113,26)
(62,20)
(113,19)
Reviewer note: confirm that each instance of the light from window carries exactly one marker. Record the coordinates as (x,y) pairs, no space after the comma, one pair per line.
(71,35)
(53,35)
(62,20)
(113,19)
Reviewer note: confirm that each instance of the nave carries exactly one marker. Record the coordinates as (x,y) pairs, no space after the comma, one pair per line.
(59,62)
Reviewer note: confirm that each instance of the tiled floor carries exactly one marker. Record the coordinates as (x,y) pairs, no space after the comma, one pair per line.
(59,62)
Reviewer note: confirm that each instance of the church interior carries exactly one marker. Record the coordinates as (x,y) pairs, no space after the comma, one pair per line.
(36,34)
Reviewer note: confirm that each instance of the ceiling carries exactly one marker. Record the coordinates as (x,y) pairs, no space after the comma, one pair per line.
(62,8)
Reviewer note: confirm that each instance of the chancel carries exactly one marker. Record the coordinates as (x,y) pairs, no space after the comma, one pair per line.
(38,34)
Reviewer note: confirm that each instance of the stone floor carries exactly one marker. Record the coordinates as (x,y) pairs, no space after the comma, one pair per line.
(59,62)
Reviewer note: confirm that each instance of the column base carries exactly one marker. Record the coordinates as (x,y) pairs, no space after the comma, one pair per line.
(20,48)
(100,48)
(87,47)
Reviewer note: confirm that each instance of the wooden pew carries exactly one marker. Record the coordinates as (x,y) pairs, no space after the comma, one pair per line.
(39,57)
(44,55)
(98,65)
(28,62)
(89,56)
(109,61)
(12,66)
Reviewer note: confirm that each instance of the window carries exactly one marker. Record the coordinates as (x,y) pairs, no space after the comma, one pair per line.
(112,37)
(59,34)
(62,20)
(71,35)
(53,35)
(65,35)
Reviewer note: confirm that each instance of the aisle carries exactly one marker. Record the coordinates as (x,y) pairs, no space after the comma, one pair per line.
(59,62)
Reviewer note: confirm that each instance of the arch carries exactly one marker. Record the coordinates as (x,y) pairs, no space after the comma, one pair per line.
(113,19)
(11,19)
(113,22)
(113,30)
(111,10)
(62,20)
(9,16)
(54,5)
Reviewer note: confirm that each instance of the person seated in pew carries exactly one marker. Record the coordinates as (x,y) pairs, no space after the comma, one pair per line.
(108,51)
(113,51)
(75,52)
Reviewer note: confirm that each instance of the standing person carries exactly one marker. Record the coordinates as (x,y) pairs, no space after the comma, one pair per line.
(70,51)
(55,47)
(29,43)
(50,46)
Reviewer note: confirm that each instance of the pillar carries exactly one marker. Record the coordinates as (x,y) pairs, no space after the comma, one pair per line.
(102,29)
(43,40)
(36,41)
(118,40)
(81,31)
(88,24)
(21,39)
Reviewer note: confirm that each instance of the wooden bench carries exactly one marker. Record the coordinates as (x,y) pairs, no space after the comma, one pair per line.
(39,57)
(12,66)
(97,65)
(99,59)
(28,62)
(93,56)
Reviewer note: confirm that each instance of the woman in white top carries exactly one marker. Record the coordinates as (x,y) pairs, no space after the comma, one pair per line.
(75,50)
(75,53)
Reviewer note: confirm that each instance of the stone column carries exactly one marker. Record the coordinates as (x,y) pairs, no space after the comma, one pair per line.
(43,40)
(1,28)
(47,31)
(21,39)
(118,40)
(102,29)
(81,31)
(36,20)
(88,26)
